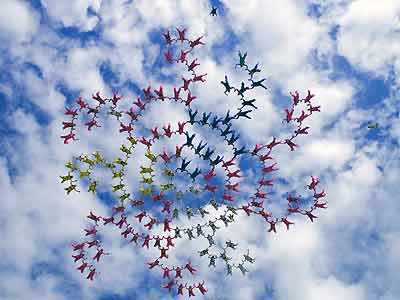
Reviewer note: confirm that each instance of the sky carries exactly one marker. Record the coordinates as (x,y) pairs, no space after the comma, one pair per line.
(345,52)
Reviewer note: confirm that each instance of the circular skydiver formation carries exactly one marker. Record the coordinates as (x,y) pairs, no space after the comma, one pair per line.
(147,215)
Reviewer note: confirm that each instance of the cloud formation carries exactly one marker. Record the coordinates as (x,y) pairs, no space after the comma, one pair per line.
(350,252)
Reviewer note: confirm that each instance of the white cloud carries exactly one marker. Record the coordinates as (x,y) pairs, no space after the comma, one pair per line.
(395,130)
(26,25)
(371,46)
(73,13)
(303,263)
(328,153)
(282,40)
(83,70)
(21,286)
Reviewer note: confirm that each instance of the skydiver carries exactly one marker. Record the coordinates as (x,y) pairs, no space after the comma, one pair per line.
(373,126)
(242,60)
(208,154)
(242,269)
(98,98)
(167,130)
(314,108)
(248,258)
(215,122)
(200,147)
(213,11)
(199,77)
(225,257)
(66,178)
(184,164)
(258,83)
(189,232)
(167,37)
(205,118)
(69,111)
(249,103)
(227,118)
(209,175)
(239,151)
(228,163)
(68,125)
(203,212)
(309,96)
(254,70)
(233,139)
(289,115)
(189,99)
(217,160)
(195,173)
(230,244)
(242,90)
(211,242)
(229,269)
(243,114)
(226,131)
(189,140)
(186,83)
(226,85)
(169,285)
(193,65)
(181,34)
(201,287)
(99,254)
(196,42)
(181,126)
(192,115)
(225,220)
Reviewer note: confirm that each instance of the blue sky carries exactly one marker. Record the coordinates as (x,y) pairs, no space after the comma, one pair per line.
(345,52)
